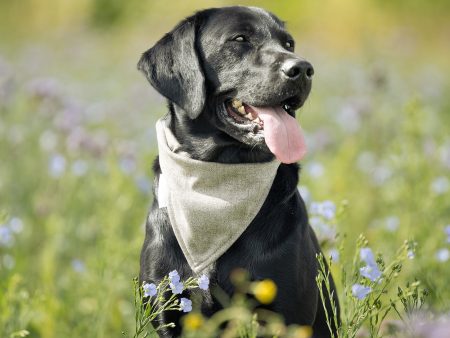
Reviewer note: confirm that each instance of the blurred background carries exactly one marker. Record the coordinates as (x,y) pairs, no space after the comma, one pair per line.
(77,141)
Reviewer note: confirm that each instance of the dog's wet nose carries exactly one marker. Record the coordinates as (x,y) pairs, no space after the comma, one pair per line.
(293,69)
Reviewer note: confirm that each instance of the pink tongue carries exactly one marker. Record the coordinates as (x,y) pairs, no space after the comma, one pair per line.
(282,133)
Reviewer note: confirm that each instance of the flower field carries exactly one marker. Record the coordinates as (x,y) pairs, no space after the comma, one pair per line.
(77,141)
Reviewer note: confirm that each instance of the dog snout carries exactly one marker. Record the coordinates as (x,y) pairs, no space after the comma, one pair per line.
(293,69)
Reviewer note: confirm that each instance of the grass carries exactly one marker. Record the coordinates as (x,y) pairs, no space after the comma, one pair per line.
(76,146)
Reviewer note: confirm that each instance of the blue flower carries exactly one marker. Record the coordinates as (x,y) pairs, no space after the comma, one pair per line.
(203,282)
(360,291)
(326,209)
(6,236)
(334,255)
(16,225)
(79,168)
(57,165)
(410,254)
(443,255)
(440,185)
(322,229)
(185,305)
(78,266)
(149,290)
(174,276)
(366,255)
(371,272)
(315,169)
(447,232)
(392,223)
(176,288)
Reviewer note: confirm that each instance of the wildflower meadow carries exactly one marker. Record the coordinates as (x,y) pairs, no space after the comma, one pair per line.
(77,142)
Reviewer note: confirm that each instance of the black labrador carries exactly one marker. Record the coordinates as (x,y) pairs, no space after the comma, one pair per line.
(206,64)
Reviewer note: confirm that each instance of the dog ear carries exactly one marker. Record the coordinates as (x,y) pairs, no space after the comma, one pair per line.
(172,67)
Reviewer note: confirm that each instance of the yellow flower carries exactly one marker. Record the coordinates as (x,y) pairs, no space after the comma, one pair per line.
(265,291)
(303,332)
(193,321)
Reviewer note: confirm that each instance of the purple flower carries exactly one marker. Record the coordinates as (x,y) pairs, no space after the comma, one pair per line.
(203,282)
(149,289)
(185,305)
(360,291)
(176,288)
(44,88)
(174,276)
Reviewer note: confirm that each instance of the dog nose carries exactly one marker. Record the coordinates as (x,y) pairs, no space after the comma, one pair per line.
(293,69)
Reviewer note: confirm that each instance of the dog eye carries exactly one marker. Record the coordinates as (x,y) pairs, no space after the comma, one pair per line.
(240,38)
(289,44)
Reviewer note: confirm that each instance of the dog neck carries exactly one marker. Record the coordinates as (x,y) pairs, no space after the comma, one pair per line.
(209,204)
(200,139)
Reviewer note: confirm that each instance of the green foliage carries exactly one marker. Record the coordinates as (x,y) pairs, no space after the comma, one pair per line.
(365,312)
(16,308)
(77,141)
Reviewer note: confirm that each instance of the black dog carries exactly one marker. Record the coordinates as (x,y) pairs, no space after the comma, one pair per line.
(201,66)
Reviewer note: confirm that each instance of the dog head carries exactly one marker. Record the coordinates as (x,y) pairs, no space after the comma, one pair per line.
(235,67)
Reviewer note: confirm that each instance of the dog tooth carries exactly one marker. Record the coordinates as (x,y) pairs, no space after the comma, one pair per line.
(249,116)
(241,110)
(236,103)
(258,120)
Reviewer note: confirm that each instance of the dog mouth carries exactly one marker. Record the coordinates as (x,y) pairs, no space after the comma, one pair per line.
(275,125)
(243,113)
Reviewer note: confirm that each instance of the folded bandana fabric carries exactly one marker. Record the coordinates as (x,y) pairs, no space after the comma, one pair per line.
(209,204)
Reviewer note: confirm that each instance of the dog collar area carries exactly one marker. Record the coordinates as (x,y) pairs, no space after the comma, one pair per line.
(209,204)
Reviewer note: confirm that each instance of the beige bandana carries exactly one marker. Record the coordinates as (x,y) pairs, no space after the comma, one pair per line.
(209,204)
